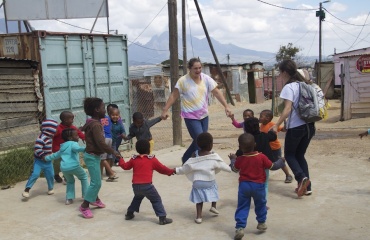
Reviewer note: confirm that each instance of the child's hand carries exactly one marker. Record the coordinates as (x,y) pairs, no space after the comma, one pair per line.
(117,154)
(363,134)
(124,137)
(232,156)
(231,116)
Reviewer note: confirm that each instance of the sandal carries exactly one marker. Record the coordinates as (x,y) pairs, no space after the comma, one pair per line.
(112,179)
(288,179)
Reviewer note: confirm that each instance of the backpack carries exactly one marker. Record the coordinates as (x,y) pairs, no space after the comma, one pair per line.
(311,102)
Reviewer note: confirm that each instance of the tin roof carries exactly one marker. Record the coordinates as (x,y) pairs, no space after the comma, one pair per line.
(355,55)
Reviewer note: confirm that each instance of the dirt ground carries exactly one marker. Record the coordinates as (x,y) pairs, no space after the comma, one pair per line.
(337,209)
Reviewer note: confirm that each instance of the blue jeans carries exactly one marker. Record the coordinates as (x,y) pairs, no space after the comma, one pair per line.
(247,191)
(93,165)
(296,142)
(150,192)
(80,173)
(38,166)
(195,127)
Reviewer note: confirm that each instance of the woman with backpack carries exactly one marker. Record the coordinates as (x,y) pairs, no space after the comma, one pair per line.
(299,133)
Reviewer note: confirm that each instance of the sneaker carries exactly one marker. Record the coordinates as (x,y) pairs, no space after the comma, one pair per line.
(239,234)
(25,194)
(69,201)
(51,192)
(86,212)
(98,204)
(308,193)
(214,210)
(164,220)
(288,179)
(262,226)
(302,187)
(129,215)
(57,178)
(198,220)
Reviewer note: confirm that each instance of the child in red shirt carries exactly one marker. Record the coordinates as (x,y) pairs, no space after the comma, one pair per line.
(265,119)
(143,166)
(66,118)
(251,166)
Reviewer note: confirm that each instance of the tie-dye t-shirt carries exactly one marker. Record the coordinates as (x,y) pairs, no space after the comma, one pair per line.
(194,97)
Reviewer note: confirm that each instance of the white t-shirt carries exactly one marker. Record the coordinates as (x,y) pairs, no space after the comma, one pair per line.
(291,92)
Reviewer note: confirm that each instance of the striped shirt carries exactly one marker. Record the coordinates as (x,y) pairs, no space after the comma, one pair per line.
(43,144)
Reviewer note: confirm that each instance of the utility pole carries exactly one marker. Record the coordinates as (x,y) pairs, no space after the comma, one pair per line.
(228,59)
(321,15)
(184,49)
(228,94)
(174,69)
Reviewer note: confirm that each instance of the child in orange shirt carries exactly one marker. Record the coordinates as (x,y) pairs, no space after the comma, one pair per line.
(265,119)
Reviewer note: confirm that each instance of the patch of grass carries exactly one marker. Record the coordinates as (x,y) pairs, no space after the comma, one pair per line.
(15,165)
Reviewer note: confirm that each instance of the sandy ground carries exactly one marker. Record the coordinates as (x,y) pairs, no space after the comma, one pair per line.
(337,209)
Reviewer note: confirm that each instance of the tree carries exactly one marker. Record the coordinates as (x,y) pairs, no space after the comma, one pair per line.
(287,52)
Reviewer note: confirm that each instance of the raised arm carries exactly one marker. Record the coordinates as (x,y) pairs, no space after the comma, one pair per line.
(170,101)
(218,94)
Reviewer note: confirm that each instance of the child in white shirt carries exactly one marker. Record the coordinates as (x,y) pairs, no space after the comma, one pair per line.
(201,169)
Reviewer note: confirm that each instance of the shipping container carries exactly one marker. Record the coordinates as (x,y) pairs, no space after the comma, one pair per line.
(73,66)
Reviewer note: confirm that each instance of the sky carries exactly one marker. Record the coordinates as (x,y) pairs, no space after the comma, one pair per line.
(250,24)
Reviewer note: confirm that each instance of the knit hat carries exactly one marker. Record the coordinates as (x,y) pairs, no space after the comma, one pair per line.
(49,127)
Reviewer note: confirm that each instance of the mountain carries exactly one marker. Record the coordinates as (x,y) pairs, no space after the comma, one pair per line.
(155,51)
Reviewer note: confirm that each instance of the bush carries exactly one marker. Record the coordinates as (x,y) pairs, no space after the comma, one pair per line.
(15,165)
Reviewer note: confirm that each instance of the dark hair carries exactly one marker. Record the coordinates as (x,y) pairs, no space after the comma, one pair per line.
(192,61)
(65,114)
(248,110)
(246,142)
(90,104)
(252,126)
(113,105)
(67,134)
(137,116)
(290,68)
(268,114)
(142,146)
(205,141)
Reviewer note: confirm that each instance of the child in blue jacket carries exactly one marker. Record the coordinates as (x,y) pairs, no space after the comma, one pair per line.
(70,164)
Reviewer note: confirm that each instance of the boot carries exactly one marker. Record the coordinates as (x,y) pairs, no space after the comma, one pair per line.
(163,220)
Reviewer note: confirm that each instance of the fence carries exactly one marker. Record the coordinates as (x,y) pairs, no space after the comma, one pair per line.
(25,101)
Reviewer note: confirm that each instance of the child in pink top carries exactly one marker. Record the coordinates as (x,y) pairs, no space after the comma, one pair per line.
(248,113)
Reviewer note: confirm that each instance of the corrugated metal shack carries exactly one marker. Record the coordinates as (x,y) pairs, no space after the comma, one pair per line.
(20,102)
(357,86)
(73,66)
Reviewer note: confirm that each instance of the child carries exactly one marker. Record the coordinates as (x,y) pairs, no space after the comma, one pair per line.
(107,159)
(251,167)
(140,128)
(364,134)
(266,117)
(118,130)
(143,166)
(95,146)
(201,169)
(248,113)
(70,164)
(42,149)
(66,118)
(262,140)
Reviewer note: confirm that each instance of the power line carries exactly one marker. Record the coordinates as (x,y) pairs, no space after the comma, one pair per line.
(287,8)
(313,40)
(160,50)
(339,36)
(335,24)
(78,26)
(150,22)
(345,21)
(359,32)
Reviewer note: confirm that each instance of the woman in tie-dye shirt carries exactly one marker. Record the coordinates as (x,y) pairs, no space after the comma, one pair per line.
(194,90)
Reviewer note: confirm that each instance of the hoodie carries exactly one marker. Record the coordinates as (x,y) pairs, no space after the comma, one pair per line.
(69,154)
(44,141)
